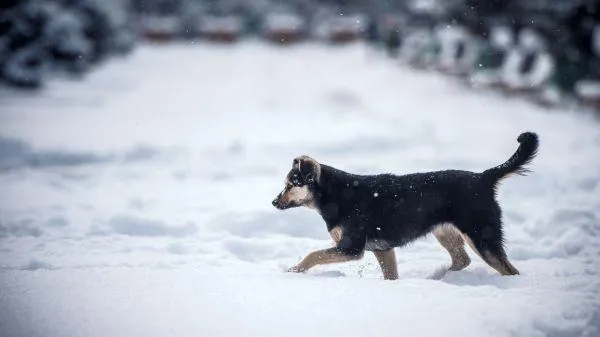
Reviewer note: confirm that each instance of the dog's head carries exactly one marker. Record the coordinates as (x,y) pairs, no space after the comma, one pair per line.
(300,184)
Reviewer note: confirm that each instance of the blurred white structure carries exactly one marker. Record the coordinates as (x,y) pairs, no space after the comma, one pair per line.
(588,90)
(502,42)
(527,65)
(459,50)
(159,27)
(415,45)
(342,28)
(501,37)
(283,27)
(533,78)
(227,28)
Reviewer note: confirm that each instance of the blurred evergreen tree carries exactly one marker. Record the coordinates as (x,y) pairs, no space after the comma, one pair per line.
(37,37)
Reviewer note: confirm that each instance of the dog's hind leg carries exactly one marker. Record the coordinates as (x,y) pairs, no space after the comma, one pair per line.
(487,242)
(451,239)
(387,261)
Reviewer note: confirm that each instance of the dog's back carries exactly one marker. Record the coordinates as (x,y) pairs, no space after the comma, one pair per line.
(402,208)
(397,209)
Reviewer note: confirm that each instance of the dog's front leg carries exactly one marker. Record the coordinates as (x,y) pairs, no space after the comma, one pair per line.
(387,261)
(324,256)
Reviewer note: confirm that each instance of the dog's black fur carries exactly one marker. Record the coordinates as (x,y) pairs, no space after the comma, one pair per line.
(379,212)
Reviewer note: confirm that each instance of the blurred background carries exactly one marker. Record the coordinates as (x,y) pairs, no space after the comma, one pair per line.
(546,51)
(142,142)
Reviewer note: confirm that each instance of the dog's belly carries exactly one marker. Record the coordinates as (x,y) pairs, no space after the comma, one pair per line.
(392,239)
(378,244)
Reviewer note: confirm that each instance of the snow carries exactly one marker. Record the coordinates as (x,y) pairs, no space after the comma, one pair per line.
(501,37)
(588,89)
(415,43)
(530,40)
(230,24)
(353,23)
(451,40)
(283,21)
(138,202)
(162,24)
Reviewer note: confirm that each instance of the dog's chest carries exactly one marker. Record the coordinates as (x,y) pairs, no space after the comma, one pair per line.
(371,244)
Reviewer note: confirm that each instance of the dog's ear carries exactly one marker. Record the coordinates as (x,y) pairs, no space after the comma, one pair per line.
(309,169)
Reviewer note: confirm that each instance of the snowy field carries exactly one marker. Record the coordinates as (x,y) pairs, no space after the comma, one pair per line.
(138,202)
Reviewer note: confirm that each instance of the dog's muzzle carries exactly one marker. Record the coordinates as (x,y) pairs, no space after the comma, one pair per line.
(277,203)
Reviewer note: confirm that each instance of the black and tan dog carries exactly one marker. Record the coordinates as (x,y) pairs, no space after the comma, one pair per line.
(380,212)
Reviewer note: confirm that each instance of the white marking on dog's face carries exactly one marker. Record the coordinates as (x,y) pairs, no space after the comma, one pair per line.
(298,194)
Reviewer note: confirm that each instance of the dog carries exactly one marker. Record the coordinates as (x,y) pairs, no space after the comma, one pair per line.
(380,212)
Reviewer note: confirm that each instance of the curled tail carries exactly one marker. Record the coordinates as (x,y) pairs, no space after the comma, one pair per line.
(516,163)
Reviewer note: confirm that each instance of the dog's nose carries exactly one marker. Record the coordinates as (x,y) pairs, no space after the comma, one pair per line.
(274,202)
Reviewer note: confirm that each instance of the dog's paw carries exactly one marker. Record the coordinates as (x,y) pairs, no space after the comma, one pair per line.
(296,269)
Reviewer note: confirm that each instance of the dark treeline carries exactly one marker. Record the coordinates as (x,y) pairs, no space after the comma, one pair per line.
(39,37)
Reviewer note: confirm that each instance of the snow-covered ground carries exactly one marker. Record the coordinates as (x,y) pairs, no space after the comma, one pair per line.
(137,202)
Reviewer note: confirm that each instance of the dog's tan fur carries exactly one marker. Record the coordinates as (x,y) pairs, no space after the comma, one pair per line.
(301,160)
(387,262)
(296,194)
(336,234)
(324,256)
(500,264)
(451,239)
(386,259)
